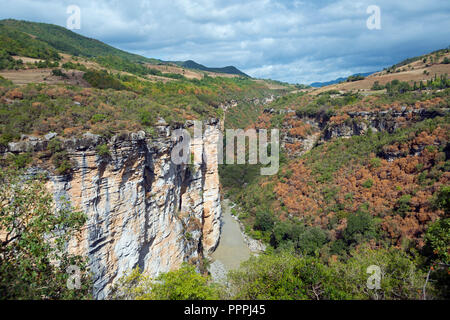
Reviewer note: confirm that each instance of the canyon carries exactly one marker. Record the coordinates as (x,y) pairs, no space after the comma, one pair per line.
(145,211)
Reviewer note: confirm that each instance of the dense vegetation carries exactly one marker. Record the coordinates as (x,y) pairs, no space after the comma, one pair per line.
(21,44)
(127,104)
(182,284)
(61,39)
(346,194)
(284,275)
(35,237)
(397,87)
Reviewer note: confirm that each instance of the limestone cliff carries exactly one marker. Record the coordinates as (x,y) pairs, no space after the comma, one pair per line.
(358,123)
(143,210)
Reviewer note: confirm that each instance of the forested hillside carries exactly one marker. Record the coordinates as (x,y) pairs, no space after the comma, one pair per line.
(65,41)
(359,174)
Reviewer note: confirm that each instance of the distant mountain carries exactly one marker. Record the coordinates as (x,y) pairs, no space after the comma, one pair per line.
(194,65)
(338,80)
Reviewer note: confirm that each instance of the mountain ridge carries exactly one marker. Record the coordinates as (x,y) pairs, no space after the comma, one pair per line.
(191,64)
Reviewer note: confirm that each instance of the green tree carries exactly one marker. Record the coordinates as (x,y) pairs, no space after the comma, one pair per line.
(377,86)
(182,284)
(437,250)
(360,227)
(284,276)
(403,205)
(400,279)
(34,235)
(146,118)
(437,239)
(103,150)
(264,221)
(443,199)
(304,239)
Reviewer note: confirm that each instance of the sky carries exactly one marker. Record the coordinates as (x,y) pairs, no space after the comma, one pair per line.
(292,41)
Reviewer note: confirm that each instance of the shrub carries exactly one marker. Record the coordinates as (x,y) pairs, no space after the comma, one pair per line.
(375,162)
(6,138)
(399,278)
(59,73)
(147,118)
(360,227)
(182,284)
(21,160)
(283,276)
(403,204)
(368,183)
(264,221)
(61,162)
(98,118)
(103,150)
(55,145)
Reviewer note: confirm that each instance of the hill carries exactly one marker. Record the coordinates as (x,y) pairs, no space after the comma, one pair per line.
(64,40)
(413,70)
(194,65)
(65,63)
(338,80)
(44,41)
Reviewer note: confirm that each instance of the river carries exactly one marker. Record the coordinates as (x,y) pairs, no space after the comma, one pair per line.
(232,249)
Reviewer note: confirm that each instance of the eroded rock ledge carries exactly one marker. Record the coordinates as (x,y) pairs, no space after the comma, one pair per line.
(347,125)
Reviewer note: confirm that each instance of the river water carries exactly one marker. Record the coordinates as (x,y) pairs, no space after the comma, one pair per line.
(232,249)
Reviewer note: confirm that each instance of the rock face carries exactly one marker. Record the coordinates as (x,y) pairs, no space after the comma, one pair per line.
(143,210)
(349,124)
(358,123)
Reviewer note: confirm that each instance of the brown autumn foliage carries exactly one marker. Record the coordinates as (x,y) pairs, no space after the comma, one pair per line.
(56,92)
(395,191)
(299,129)
(263,121)
(14,94)
(340,119)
